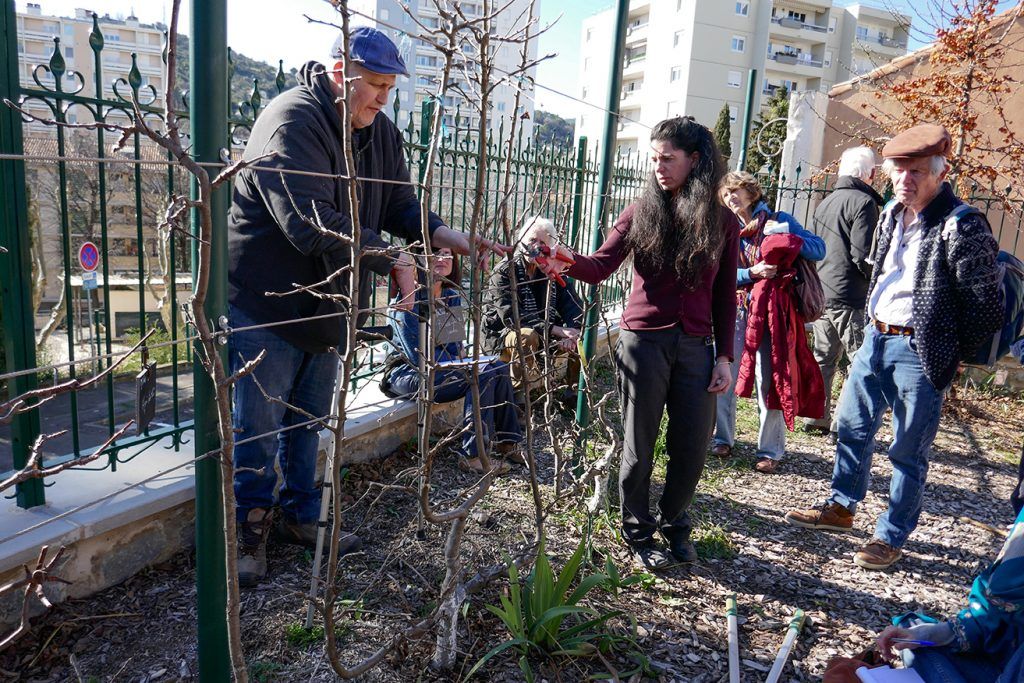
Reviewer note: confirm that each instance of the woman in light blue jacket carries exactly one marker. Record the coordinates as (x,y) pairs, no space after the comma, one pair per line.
(741,193)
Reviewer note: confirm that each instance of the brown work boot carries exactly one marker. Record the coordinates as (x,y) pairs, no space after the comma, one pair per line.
(511,451)
(476,465)
(830,516)
(877,555)
(252,546)
(721,450)
(767,466)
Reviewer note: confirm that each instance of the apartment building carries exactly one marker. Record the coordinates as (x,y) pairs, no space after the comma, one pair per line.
(425,63)
(692,56)
(121,37)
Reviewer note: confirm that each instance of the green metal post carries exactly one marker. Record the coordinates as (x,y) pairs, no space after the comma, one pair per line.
(18,317)
(748,114)
(208,84)
(604,187)
(577,195)
(427,110)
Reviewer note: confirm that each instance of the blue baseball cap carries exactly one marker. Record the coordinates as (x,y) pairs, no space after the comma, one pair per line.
(372,50)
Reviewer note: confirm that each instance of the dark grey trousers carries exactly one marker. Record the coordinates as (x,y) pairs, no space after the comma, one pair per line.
(659,369)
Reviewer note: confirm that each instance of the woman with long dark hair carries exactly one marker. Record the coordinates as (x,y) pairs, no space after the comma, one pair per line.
(675,342)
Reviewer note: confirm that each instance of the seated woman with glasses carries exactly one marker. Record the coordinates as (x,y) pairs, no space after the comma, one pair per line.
(502,433)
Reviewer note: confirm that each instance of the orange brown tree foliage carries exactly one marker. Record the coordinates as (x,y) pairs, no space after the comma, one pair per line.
(967,80)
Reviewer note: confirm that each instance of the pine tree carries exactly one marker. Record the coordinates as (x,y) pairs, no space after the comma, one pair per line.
(723,132)
(766,148)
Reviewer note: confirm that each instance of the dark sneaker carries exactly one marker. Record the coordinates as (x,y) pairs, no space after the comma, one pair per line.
(252,547)
(290,532)
(682,550)
(830,517)
(651,555)
(877,555)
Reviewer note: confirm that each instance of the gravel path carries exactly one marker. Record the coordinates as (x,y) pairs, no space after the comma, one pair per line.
(143,630)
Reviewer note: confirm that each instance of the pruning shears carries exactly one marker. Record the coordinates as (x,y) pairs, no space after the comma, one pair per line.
(541,255)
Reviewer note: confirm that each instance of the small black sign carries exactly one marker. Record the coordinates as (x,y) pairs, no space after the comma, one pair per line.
(145,398)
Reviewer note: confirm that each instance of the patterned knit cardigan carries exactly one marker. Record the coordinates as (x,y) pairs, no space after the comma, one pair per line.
(956,304)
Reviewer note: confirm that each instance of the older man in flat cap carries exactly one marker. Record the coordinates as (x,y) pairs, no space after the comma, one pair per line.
(933,299)
(273,246)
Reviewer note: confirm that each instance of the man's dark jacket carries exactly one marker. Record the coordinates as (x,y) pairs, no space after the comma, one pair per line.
(846,220)
(534,295)
(273,245)
(957,305)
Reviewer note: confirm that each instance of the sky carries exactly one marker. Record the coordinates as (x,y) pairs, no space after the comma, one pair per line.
(270,30)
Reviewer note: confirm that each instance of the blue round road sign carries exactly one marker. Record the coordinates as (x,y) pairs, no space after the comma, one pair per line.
(89,256)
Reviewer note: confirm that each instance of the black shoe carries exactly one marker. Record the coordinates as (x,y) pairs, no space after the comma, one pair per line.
(682,549)
(651,555)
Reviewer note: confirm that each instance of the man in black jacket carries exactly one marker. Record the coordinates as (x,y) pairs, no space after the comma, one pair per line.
(544,308)
(846,220)
(288,242)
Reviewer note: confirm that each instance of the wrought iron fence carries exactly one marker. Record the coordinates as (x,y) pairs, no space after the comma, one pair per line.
(78,190)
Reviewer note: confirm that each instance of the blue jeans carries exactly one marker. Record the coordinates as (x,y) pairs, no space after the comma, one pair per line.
(304,380)
(941,665)
(498,416)
(771,435)
(886,373)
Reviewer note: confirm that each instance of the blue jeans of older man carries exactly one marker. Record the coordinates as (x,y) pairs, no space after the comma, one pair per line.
(886,373)
(267,430)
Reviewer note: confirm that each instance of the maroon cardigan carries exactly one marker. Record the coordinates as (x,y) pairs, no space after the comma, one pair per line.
(658,300)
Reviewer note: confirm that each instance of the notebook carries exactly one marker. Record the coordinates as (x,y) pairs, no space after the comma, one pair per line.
(886,674)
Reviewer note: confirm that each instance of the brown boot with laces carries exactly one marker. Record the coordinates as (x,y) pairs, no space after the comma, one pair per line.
(829,517)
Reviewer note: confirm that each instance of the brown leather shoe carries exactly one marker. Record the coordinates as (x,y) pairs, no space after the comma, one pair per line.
(767,466)
(830,517)
(721,450)
(511,451)
(877,555)
(476,465)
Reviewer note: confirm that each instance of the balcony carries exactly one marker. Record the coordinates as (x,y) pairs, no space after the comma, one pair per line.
(631,96)
(801,64)
(636,32)
(635,63)
(884,44)
(794,28)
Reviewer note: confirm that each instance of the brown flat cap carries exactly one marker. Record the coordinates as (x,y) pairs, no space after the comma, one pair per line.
(925,140)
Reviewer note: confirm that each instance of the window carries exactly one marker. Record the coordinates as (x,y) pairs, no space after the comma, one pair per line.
(832,23)
(584,95)
(739,44)
(403,96)
(671,108)
(69,29)
(586,64)
(734,113)
(677,38)
(385,14)
(742,8)
(735,79)
(501,106)
(69,52)
(798,16)
(828,58)
(425,60)
(590,32)
(789,85)
(676,74)
(862,32)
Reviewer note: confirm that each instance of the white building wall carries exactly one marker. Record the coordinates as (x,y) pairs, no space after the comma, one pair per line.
(799,44)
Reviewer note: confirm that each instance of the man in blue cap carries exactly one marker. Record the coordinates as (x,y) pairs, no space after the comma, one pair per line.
(276,247)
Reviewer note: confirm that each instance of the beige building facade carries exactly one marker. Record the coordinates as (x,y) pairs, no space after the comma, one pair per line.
(691,57)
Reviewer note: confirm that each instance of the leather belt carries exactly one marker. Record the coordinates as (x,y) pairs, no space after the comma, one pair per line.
(886,328)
